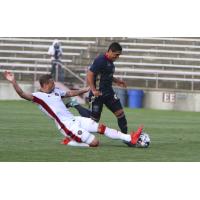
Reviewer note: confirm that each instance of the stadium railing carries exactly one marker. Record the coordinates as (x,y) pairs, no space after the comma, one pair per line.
(157,72)
(175,39)
(36,52)
(158,58)
(161,65)
(35,60)
(39,46)
(48,40)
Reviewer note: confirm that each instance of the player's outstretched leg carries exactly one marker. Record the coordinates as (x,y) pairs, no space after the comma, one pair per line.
(87,126)
(114,134)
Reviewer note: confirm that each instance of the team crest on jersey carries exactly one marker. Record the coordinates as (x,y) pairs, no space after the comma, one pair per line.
(80,132)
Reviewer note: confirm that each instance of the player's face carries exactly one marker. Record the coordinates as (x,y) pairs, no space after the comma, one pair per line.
(51,85)
(114,55)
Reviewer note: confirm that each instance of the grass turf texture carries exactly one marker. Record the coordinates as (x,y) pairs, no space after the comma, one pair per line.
(27,135)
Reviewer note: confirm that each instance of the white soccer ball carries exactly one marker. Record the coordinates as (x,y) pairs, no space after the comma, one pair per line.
(143,141)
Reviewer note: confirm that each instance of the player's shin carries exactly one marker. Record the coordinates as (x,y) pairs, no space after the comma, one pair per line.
(83,111)
(122,123)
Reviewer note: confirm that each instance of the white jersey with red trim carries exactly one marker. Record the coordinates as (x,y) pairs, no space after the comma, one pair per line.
(52,105)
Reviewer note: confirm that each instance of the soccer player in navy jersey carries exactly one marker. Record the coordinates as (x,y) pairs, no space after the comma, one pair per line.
(100,77)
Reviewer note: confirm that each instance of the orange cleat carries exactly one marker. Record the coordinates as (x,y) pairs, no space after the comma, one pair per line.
(65,141)
(135,135)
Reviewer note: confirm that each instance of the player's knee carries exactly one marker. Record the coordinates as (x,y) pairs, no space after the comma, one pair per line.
(119,113)
(101,128)
(94,143)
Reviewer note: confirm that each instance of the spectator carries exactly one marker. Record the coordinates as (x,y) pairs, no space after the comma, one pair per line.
(55,51)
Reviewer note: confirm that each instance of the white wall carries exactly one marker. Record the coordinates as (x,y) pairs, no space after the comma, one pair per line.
(182,101)
(8,93)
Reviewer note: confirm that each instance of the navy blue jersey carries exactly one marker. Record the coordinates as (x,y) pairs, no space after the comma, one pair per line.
(103,70)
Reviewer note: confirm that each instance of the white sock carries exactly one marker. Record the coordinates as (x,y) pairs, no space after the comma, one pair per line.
(76,144)
(114,134)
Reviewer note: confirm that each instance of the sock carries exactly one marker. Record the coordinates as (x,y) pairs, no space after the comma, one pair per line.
(114,134)
(122,123)
(83,111)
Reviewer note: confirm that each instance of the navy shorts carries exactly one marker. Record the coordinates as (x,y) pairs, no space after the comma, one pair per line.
(112,102)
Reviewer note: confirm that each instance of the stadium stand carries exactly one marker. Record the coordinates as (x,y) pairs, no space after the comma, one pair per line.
(28,56)
(171,63)
(151,63)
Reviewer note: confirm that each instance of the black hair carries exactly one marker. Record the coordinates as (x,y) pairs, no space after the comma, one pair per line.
(44,79)
(114,47)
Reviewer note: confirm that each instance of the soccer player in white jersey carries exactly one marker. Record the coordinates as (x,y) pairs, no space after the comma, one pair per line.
(76,130)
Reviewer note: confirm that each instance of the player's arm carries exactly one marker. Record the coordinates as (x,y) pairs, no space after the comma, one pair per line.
(50,51)
(119,82)
(11,78)
(90,80)
(73,93)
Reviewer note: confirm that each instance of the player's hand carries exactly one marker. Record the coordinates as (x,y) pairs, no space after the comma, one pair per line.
(96,93)
(9,76)
(87,89)
(121,83)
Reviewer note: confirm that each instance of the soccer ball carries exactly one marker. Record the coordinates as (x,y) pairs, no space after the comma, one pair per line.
(143,141)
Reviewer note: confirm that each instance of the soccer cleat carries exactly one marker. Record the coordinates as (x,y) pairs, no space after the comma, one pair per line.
(65,141)
(129,144)
(135,135)
(72,103)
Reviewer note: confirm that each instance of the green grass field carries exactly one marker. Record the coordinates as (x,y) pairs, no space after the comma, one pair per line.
(28,135)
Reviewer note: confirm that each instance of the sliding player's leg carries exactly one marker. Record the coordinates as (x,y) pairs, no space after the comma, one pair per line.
(92,126)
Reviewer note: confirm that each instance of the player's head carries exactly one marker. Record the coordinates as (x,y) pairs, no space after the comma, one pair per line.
(47,82)
(114,51)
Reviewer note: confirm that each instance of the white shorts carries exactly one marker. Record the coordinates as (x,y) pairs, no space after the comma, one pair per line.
(81,127)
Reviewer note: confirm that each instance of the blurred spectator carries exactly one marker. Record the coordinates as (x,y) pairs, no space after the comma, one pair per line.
(55,51)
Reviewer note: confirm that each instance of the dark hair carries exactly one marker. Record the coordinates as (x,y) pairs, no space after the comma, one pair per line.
(114,47)
(44,79)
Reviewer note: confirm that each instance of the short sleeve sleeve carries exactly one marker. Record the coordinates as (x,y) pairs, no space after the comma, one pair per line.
(96,66)
(61,92)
